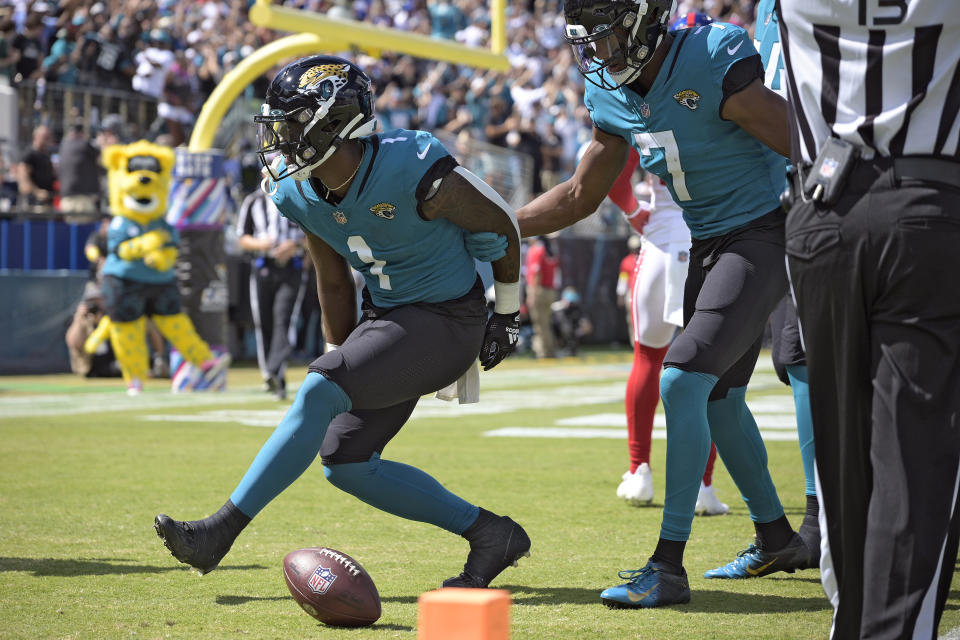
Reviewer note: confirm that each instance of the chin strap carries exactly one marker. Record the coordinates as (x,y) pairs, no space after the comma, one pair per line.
(268,185)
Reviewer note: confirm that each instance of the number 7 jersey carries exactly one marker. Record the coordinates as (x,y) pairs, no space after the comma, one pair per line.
(403,257)
(720,175)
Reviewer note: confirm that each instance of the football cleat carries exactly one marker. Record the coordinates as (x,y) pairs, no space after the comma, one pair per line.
(134,387)
(194,543)
(811,537)
(754,562)
(637,487)
(499,544)
(708,504)
(648,587)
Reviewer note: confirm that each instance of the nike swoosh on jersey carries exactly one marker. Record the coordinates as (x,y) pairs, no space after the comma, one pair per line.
(637,598)
(757,571)
(733,50)
(427,148)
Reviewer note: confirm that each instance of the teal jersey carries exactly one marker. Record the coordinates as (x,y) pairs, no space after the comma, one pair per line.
(766,38)
(403,257)
(122,229)
(720,175)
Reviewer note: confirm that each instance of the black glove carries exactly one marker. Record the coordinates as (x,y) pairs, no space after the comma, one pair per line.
(503,330)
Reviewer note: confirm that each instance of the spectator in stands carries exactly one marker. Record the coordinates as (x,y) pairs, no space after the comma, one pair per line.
(446,19)
(477,33)
(153,64)
(499,122)
(209,70)
(35,174)
(78,170)
(525,139)
(542,278)
(61,65)
(104,59)
(28,50)
(175,113)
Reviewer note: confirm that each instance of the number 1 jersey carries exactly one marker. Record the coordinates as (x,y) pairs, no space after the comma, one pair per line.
(403,257)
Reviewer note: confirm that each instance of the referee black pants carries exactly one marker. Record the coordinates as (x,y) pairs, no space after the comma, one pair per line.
(877,283)
(276,294)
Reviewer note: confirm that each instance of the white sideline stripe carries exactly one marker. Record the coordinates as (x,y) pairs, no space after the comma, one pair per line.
(78,403)
(267,418)
(562,432)
(502,401)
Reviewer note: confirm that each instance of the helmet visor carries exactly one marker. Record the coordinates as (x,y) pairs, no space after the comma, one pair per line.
(599,46)
(283,133)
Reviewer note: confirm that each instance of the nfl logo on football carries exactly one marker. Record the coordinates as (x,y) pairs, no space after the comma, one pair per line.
(321,580)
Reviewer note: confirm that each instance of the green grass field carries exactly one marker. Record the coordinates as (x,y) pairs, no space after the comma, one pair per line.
(84,469)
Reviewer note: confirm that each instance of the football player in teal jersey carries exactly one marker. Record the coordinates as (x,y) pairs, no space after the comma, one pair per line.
(695,107)
(395,206)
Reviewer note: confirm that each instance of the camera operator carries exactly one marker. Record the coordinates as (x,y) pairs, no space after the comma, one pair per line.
(101,363)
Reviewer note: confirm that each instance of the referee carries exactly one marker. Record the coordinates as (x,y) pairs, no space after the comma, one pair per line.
(873,245)
(276,283)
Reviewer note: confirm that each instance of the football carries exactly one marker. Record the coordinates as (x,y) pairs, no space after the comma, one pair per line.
(332,587)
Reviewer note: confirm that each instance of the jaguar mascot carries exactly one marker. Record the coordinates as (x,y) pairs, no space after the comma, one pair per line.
(138,275)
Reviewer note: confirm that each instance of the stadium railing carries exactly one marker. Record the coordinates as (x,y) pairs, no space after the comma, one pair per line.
(510,173)
(61,105)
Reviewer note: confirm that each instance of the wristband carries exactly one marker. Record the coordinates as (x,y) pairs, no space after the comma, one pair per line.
(507,297)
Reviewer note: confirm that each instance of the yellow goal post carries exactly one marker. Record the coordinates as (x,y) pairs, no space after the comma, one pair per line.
(317,33)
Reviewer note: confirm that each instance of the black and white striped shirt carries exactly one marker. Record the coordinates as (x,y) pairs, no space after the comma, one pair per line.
(260,218)
(881,74)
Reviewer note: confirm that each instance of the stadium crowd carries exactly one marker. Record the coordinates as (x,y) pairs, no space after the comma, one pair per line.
(177,52)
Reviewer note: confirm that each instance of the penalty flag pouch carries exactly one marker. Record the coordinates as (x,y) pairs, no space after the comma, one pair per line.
(829,173)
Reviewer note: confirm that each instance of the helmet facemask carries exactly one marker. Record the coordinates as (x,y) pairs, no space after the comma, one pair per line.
(626,33)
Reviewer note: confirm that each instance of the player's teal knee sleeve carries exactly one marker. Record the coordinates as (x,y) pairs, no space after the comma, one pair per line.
(404,491)
(684,395)
(293,445)
(800,386)
(741,448)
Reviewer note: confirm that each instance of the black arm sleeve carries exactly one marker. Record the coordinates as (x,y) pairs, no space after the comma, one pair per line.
(740,74)
(430,181)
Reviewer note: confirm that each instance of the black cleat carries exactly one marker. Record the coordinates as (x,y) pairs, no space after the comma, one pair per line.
(811,537)
(496,542)
(194,543)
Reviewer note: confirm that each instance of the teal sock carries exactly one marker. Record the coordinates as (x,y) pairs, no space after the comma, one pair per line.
(294,444)
(684,395)
(741,448)
(404,491)
(800,386)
